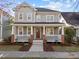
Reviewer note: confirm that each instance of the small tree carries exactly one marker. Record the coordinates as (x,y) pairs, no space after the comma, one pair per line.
(69,34)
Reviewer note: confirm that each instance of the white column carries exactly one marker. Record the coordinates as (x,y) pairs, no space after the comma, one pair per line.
(1,23)
(43,30)
(62,30)
(31,30)
(12,29)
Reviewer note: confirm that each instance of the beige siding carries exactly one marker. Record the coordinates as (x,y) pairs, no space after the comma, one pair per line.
(30,11)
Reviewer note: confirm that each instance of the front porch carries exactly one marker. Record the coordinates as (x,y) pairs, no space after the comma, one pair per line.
(26,33)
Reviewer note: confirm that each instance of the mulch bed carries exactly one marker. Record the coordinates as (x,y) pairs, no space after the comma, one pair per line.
(48,47)
(25,47)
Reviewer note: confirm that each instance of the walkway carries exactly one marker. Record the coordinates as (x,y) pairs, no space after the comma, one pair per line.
(37,45)
(40,54)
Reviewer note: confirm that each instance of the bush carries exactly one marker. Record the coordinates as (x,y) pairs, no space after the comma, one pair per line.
(69,34)
(8,39)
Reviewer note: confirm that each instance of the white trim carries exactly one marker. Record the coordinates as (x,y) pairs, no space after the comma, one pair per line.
(43,30)
(62,30)
(39,24)
(27,30)
(31,30)
(1,23)
(22,30)
(12,29)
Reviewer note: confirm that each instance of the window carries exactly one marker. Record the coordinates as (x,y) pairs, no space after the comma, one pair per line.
(38,17)
(49,31)
(24,30)
(29,17)
(43,18)
(50,17)
(29,30)
(20,16)
(16,30)
(20,31)
(55,30)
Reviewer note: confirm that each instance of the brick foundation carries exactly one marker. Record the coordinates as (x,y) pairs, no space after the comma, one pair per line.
(44,39)
(62,39)
(12,39)
(31,39)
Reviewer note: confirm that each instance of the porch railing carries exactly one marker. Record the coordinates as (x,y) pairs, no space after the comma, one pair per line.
(53,38)
(21,38)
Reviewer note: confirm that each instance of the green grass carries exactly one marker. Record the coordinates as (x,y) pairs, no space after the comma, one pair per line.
(10,47)
(67,48)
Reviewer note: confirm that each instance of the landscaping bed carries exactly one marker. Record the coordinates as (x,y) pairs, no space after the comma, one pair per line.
(48,47)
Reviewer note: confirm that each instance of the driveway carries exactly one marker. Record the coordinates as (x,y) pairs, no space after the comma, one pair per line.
(40,54)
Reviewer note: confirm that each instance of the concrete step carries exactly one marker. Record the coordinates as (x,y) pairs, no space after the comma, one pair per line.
(37,41)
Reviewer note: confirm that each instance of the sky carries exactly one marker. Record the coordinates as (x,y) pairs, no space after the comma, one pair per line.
(59,5)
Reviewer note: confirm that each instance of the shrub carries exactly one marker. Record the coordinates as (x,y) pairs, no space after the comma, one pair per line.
(69,34)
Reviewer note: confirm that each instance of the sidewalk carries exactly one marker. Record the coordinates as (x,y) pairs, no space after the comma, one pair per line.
(40,54)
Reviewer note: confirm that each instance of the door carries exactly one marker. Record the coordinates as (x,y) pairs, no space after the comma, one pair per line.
(37,33)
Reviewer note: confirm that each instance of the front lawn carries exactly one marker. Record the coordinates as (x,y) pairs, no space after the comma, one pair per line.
(60,48)
(15,47)
(66,48)
(10,47)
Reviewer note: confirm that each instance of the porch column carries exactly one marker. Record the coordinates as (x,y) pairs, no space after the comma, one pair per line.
(31,37)
(62,35)
(44,35)
(12,36)
(1,25)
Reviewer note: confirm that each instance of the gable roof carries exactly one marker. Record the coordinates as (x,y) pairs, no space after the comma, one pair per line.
(71,17)
(45,10)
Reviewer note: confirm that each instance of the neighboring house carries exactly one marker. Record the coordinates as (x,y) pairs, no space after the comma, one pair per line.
(72,18)
(37,24)
(4,22)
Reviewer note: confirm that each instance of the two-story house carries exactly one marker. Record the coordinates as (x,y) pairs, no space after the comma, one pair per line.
(5,15)
(37,24)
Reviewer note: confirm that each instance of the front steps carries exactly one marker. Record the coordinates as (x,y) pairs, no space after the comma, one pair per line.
(37,45)
(37,41)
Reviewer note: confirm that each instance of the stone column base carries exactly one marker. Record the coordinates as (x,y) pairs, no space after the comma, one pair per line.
(62,39)
(31,39)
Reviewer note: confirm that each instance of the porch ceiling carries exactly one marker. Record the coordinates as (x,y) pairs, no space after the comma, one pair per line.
(38,23)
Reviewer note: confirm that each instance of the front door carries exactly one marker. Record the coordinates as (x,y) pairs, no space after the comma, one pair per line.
(37,33)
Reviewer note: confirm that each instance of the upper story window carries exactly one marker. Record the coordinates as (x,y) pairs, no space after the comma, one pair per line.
(20,16)
(50,17)
(29,17)
(38,17)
